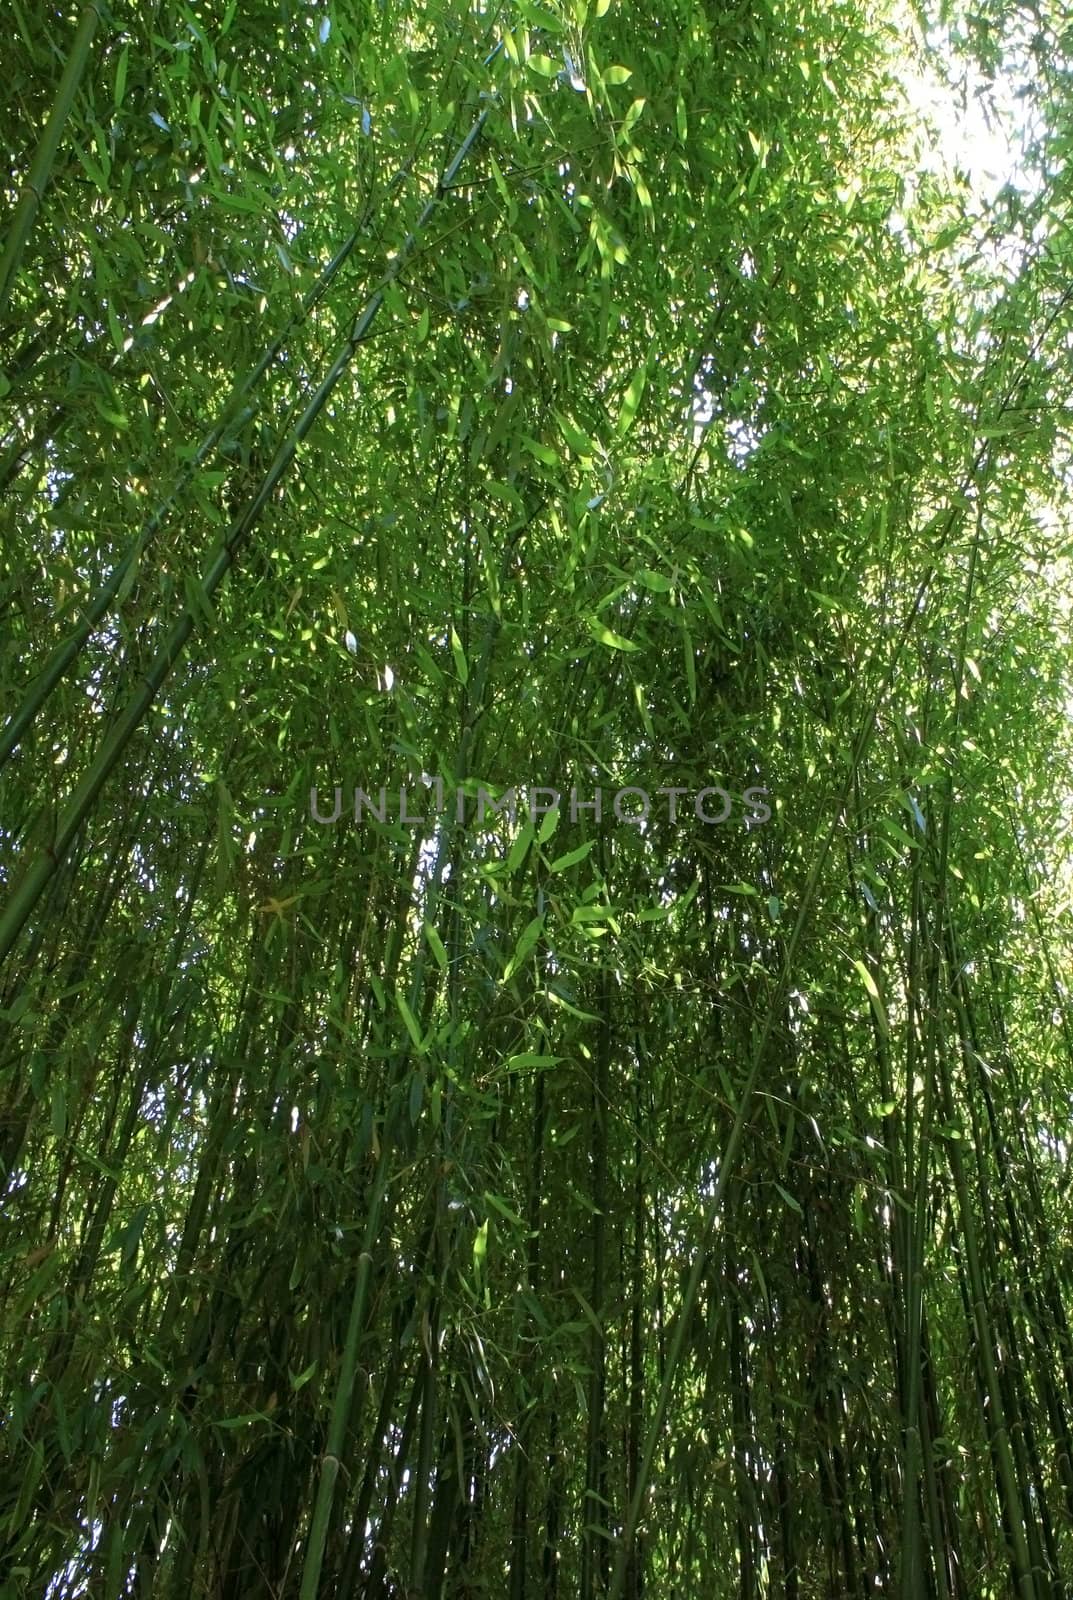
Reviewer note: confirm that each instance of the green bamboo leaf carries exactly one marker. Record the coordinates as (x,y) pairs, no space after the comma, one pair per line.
(790,1201)
(548,825)
(529,938)
(121,76)
(607,636)
(566,1005)
(579,442)
(869,981)
(590,1316)
(410,1020)
(436,945)
(520,848)
(505,493)
(874,996)
(572,857)
(542,452)
(631,402)
(898,833)
(461,666)
(529,1060)
(416,1096)
(504,1210)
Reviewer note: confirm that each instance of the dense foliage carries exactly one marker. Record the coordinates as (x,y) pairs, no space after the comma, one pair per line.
(534,1202)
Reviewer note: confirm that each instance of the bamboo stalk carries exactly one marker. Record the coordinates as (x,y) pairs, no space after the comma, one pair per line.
(36,181)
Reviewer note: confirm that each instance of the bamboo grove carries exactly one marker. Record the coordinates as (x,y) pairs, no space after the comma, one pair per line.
(533,1201)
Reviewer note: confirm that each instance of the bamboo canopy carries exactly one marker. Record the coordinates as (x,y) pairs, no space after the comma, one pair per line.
(536,913)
